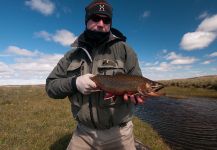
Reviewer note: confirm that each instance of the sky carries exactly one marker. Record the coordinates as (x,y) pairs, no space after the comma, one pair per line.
(172,38)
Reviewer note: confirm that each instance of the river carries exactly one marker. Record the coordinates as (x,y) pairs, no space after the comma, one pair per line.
(185,124)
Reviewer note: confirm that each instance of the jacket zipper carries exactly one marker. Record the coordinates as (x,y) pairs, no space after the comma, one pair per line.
(89,97)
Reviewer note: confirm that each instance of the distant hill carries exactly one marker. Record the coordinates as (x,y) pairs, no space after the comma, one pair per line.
(204,77)
(207,82)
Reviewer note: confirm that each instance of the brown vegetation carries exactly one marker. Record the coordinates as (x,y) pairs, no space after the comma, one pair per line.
(205,86)
(206,82)
(31,120)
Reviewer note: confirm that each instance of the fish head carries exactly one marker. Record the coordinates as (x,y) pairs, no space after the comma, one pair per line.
(150,88)
(153,86)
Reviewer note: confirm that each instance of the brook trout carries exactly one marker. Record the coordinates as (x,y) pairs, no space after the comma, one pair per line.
(121,83)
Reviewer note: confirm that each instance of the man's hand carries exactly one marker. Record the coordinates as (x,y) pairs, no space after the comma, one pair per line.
(135,98)
(85,85)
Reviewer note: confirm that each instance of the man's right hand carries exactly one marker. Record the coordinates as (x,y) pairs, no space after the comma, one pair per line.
(85,85)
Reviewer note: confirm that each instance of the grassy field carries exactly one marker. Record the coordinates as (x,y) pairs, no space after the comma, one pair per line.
(205,86)
(206,82)
(32,121)
(179,92)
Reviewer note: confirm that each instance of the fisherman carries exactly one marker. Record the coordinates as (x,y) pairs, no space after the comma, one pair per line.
(100,49)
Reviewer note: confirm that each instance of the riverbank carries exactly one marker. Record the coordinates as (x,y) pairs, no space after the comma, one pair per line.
(31,120)
(203,86)
(180,92)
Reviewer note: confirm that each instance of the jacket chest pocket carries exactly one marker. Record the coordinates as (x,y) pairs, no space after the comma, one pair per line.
(76,69)
(110,67)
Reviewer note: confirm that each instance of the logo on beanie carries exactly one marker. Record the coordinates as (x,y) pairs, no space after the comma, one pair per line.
(101,7)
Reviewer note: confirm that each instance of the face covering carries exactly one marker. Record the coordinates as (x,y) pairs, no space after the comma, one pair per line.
(96,37)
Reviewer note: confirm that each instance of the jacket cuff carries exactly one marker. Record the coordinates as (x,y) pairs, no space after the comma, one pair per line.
(73,84)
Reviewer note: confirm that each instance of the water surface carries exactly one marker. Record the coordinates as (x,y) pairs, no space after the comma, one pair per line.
(185,124)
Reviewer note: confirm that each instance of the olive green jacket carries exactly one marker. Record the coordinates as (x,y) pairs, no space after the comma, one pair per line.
(109,58)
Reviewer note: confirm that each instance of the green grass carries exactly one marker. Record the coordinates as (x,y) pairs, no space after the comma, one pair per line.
(204,86)
(205,82)
(31,120)
(179,92)
(145,133)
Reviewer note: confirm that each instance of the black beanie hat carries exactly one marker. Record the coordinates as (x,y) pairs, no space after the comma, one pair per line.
(98,7)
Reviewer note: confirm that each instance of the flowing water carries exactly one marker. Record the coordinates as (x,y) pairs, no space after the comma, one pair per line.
(185,124)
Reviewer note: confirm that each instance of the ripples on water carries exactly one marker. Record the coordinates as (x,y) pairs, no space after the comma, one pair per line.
(188,124)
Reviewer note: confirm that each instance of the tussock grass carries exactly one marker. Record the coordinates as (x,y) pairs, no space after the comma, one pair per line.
(205,82)
(145,133)
(179,92)
(31,120)
(205,86)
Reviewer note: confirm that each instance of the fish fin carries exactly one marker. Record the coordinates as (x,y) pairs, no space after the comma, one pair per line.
(141,90)
(109,96)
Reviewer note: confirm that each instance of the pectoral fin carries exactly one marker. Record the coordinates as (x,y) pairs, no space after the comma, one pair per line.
(141,89)
(109,96)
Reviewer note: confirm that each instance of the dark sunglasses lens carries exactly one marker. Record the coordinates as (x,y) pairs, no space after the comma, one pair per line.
(96,18)
(105,20)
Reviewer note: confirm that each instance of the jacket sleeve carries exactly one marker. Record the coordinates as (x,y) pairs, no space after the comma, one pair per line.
(58,85)
(131,62)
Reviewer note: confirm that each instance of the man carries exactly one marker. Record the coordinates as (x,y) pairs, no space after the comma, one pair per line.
(100,49)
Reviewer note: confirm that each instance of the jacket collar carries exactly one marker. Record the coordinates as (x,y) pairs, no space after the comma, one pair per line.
(115,36)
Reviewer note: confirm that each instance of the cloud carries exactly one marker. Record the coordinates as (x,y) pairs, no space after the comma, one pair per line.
(20,51)
(207,62)
(172,56)
(149,64)
(204,35)
(179,59)
(44,34)
(164,51)
(209,24)
(46,7)
(170,66)
(214,54)
(203,15)
(146,14)
(214,69)
(164,66)
(166,70)
(183,61)
(197,40)
(28,69)
(62,36)
(4,68)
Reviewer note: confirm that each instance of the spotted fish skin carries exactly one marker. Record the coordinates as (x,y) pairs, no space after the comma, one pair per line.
(121,83)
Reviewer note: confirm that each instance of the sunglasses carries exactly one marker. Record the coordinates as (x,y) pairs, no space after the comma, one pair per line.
(96,18)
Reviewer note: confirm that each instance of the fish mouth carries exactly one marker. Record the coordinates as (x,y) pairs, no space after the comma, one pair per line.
(157,87)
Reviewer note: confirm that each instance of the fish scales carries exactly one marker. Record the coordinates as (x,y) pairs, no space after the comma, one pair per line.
(122,83)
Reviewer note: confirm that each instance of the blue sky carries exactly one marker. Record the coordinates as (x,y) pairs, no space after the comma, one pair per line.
(172,38)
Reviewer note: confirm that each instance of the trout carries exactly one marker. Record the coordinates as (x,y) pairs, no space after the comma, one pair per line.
(131,84)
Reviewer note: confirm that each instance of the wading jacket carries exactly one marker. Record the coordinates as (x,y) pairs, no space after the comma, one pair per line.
(109,58)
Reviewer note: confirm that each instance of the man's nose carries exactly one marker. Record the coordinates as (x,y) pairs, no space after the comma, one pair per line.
(100,23)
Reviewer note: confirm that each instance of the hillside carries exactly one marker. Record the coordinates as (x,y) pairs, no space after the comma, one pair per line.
(206,82)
